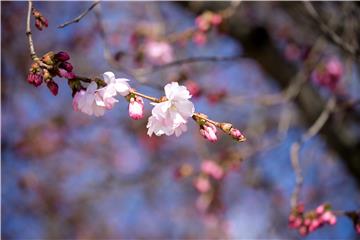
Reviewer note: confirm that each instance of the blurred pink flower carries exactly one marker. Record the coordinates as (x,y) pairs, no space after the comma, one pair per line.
(329,74)
(202,184)
(159,52)
(213,169)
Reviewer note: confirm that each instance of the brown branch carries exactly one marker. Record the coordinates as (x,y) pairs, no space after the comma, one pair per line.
(189,60)
(295,147)
(78,18)
(29,34)
(331,34)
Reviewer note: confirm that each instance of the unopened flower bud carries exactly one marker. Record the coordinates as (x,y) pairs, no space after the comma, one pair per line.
(136,108)
(226,127)
(53,87)
(48,58)
(202,184)
(35,79)
(216,19)
(67,66)
(208,131)
(62,56)
(237,135)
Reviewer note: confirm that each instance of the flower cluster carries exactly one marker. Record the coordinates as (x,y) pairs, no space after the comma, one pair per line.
(40,21)
(204,23)
(328,74)
(49,66)
(95,100)
(311,220)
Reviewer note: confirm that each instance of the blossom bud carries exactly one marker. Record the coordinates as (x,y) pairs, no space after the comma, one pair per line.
(320,209)
(65,74)
(38,24)
(193,88)
(303,231)
(35,79)
(216,19)
(46,74)
(199,38)
(67,66)
(213,169)
(236,134)
(202,184)
(357,227)
(48,58)
(62,56)
(208,131)
(53,87)
(136,108)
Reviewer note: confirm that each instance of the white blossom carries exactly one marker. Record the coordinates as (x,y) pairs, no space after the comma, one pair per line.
(86,101)
(170,117)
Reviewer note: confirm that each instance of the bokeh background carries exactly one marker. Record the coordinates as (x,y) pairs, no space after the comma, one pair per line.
(68,175)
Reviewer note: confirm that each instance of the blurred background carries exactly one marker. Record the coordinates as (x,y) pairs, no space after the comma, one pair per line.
(68,175)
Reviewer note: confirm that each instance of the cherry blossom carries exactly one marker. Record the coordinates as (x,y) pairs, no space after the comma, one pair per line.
(87,101)
(170,116)
(159,52)
(114,85)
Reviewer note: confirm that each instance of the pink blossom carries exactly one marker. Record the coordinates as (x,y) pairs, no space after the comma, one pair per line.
(159,52)
(320,209)
(86,101)
(193,88)
(136,108)
(202,184)
(200,38)
(216,19)
(208,131)
(213,169)
(329,74)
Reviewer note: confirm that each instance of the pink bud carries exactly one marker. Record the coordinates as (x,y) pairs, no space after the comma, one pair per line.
(320,209)
(62,56)
(208,131)
(314,225)
(35,79)
(67,66)
(303,231)
(213,169)
(200,38)
(216,19)
(307,222)
(193,88)
(38,24)
(202,184)
(236,134)
(53,87)
(357,227)
(65,74)
(332,220)
(136,108)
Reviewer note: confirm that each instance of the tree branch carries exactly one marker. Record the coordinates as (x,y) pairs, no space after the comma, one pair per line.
(29,34)
(78,18)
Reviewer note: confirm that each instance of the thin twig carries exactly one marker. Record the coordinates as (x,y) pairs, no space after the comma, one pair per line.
(29,34)
(78,18)
(295,147)
(331,34)
(154,69)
